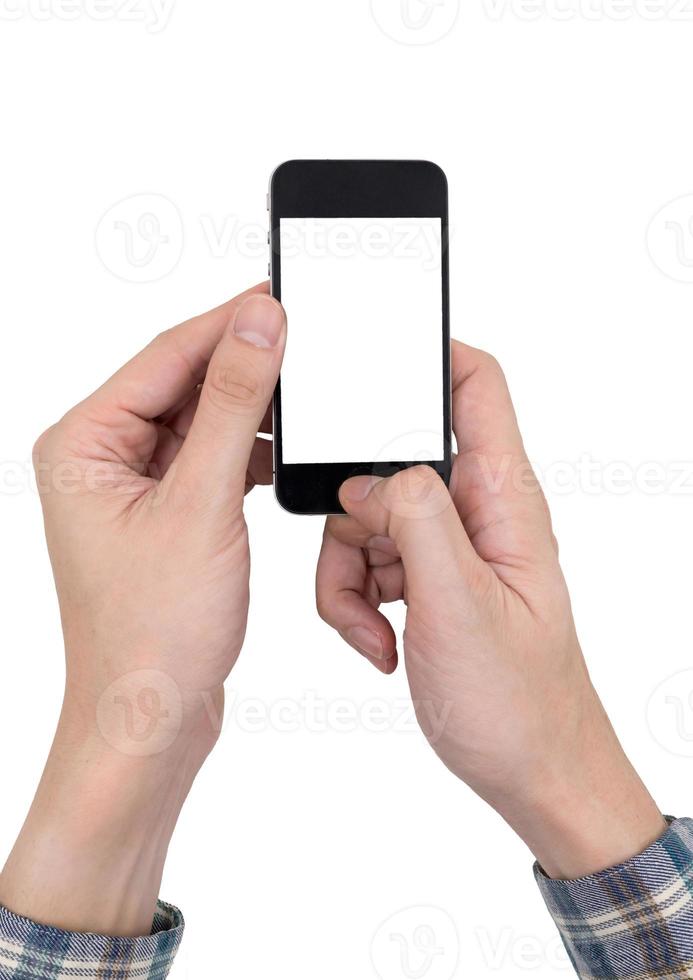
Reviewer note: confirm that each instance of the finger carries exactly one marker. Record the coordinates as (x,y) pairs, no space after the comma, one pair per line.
(180,419)
(266,424)
(381,550)
(172,365)
(494,487)
(341,582)
(384,666)
(172,434)
(119,422)
(415,510)
(167,446)
(385,582)
(260,464)
(240,380)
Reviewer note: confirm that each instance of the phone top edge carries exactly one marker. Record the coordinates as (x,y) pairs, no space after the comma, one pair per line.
(346,161)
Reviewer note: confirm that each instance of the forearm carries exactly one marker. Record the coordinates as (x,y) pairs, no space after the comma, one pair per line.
(615,876)
(587,810)
(91,853)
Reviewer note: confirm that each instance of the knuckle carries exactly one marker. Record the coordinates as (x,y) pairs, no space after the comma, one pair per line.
(163,337)
(44,447)
(410,482)
(235,385)
(491,364)
(416,492)
(396,485)
(40,445)
(322,607)
(425,474)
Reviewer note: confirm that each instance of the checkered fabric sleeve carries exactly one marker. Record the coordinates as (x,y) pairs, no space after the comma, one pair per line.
(29,951)
(633,921)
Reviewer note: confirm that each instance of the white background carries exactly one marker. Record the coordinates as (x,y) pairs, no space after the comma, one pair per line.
(362,378)
(563,139)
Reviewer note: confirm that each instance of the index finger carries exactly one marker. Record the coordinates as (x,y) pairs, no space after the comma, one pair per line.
(171,366)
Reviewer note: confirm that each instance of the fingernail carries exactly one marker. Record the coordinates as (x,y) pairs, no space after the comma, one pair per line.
(365,640)
(259,321)
(358,487)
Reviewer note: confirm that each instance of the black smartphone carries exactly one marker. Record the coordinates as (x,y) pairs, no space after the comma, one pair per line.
(359,259)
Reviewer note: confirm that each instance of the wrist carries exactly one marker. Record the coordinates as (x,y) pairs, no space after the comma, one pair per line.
(588,809)
(91,853)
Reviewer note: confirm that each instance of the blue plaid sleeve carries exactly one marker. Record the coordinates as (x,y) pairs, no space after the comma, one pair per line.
(29,951)
(633,921)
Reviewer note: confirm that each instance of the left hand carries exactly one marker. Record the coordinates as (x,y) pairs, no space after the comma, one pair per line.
(142,487)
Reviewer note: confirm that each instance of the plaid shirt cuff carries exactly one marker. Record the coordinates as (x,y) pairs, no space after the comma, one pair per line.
(29,951)
(633,921)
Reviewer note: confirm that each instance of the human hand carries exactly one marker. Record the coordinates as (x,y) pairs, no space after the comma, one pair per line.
(142,487)
(490,645)
(149,546)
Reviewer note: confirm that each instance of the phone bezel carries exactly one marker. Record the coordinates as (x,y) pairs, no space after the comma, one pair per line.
(354,189)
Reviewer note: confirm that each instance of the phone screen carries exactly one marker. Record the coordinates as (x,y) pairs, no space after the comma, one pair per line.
(362,378)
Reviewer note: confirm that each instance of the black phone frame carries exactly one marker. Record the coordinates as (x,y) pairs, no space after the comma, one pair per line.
(354,189)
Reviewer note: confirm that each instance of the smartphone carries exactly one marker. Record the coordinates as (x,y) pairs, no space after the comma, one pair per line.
(359,259)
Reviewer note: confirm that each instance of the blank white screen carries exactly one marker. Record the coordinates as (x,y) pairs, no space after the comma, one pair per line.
(362,378)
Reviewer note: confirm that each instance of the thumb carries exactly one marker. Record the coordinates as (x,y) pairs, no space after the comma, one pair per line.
(415,510)
(238,386)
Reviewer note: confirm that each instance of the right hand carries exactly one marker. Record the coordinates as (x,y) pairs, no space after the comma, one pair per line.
(492,657)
